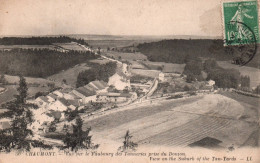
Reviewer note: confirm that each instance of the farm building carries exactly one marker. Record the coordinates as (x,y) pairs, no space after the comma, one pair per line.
(161,76)
(58,93)
(59,105)
(97,85)
(85,94)
(42,101)
(120,82)
(114,97)
(52,97)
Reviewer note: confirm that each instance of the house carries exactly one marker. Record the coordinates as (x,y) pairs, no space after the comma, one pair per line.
(52,97)
(120,82)
(59,105)
(42,101)
(5,123)
(161,76)
(75,104)
(98,86)
(58,93)
(211,83)
(85,94)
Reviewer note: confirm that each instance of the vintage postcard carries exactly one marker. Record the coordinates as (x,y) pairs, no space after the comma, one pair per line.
(129,81)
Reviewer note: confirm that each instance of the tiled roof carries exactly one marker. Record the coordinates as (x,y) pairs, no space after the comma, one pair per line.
(74,95)
(111,94)
(53,96)
(100,85)
(64,101)
(85,91)
(43,98)
(76,103)
(90,87)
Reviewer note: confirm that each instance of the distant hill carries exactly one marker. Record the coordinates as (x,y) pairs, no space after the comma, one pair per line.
(180,51)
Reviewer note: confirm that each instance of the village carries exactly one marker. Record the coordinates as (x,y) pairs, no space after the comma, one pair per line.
(138,89)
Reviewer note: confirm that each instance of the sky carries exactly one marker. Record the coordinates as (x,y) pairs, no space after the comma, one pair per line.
(111,17)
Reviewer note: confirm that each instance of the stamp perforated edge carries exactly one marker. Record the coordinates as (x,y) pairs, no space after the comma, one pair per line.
(223,20)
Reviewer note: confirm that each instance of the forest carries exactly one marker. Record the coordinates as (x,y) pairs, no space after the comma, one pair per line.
(181,51)
(39,40)
(40,63)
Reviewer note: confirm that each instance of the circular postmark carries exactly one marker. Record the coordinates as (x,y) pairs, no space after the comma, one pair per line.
(240,42)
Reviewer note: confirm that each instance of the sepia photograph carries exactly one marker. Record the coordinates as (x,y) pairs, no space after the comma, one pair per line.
(130,81)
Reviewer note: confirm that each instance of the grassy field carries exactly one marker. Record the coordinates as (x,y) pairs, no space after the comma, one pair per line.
(70,46)
(166,67)
(126,56)
(178,122)
(11,91)
(70,75)
(29,80)
(99,61)
(253,73)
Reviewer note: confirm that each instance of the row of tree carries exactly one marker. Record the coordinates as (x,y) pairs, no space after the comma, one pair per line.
(39,40)
(40,63)
(97,72)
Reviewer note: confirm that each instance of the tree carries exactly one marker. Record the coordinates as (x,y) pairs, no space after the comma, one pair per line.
(210,64)
(64,81)
(18,135)
(193,70)
(2,79)
(79,139)
(128,144)
(257,90)
(245,81)
(98,50)
(52,127)
(225,78)
(22,91)
(186,88)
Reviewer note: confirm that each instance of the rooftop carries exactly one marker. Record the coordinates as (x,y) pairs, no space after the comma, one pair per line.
(43,98)
(85,91)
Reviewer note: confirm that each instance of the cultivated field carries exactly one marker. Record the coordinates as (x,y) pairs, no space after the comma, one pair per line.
(253,73)
(178,122)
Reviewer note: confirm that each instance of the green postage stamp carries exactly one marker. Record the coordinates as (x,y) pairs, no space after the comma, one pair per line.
(240,20)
